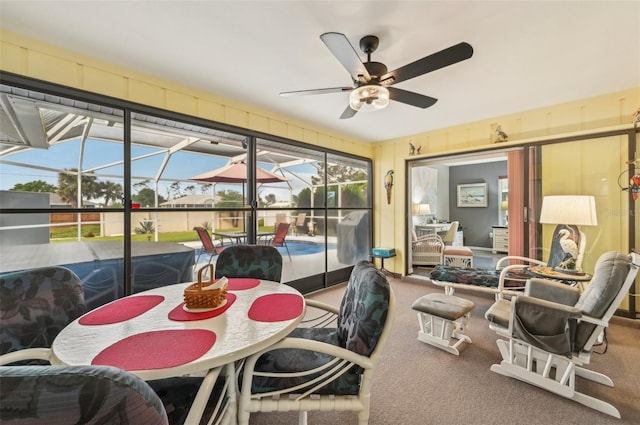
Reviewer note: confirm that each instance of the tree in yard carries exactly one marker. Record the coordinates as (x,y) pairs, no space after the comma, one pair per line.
(146,197)
(190,190)
(174,191)
(68,186)
(110,191)
(270,199)
(34,186)
(231,199)
(205,188)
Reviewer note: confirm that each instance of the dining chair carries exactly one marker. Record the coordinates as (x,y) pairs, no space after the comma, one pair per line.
(279,238)
(208,247)
(59,395)
(257,261)
(36,305)
(325,368)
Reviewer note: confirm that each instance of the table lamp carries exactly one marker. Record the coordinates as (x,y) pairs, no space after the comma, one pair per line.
(568,211)
(421,210)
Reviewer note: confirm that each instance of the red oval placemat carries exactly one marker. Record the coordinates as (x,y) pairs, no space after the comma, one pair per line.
(121,310)
(157,349)
(180,315)
(240,283)
(276,308)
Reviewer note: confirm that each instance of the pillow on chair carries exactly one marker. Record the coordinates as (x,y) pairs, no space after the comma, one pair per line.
(363,310)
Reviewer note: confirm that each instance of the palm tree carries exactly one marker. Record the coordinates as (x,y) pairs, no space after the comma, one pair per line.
(110,191)
(68,186)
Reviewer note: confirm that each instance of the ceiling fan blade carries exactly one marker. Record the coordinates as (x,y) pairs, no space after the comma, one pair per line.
(339,45)
(348,113)
(315,91)
(411,98)
(446,57)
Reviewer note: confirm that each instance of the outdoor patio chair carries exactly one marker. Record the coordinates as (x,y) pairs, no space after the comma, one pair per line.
(299,226)
(550,332)
(257,261)
(325,368)
(208,246)
(278,239)
(77,394)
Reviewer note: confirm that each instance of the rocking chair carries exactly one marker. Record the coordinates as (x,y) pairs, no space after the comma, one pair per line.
(551,330)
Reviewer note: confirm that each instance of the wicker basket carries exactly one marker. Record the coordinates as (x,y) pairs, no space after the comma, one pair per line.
(198,296)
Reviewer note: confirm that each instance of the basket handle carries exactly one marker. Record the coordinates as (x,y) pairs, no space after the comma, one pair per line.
(200,282)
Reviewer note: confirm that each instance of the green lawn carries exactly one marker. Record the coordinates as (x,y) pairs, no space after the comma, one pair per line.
(62,234)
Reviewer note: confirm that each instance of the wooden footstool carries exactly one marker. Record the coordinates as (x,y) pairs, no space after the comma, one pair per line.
(443,318)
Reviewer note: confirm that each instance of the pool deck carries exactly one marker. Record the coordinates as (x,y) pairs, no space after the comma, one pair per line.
(300,265)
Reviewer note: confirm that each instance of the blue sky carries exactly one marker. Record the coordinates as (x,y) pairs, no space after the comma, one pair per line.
(181,166)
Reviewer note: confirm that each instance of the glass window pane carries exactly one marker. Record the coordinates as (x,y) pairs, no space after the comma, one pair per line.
(347,182)
(180,165)
(56,146)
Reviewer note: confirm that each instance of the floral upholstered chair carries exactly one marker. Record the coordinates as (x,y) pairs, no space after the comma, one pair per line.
(77,395)
(35,305)
(258,261)
(325,368)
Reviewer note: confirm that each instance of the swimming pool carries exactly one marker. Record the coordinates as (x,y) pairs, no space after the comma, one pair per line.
(304,248)
(300,248)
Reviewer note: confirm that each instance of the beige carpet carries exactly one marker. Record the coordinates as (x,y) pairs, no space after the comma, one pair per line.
(420,384)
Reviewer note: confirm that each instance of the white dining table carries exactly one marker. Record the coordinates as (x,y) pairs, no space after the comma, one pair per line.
(151,335)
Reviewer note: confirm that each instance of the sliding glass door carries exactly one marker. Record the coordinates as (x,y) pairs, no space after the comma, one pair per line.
(598,165)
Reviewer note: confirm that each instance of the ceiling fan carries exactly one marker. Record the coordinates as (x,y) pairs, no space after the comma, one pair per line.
(372,82)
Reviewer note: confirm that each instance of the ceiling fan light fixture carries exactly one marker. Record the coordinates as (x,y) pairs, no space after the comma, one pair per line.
(369,98)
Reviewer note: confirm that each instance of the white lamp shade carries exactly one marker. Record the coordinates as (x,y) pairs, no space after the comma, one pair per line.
(423,209)
(579,210)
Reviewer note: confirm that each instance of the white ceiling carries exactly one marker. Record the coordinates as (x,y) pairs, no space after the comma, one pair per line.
(527,54)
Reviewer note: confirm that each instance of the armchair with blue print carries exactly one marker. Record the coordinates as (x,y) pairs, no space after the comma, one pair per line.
(325,368)
(77,395)
(257,261)
(35,305)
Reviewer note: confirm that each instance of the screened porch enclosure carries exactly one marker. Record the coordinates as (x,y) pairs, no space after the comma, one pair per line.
(81,178)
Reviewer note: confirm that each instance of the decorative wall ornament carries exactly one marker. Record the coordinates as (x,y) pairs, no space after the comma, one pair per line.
(634,180)
(413,150)
(388,184)
(501,136)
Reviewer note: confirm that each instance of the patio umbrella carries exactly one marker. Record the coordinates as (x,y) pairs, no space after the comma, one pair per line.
(237,173)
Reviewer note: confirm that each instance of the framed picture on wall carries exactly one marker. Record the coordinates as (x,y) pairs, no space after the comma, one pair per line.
(472,195)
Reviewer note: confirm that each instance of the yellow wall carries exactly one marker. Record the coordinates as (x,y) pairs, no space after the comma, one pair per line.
(39,60)
(611,110)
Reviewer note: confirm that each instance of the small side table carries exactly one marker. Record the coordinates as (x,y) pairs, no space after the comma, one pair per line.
(383,253)
(573,279)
